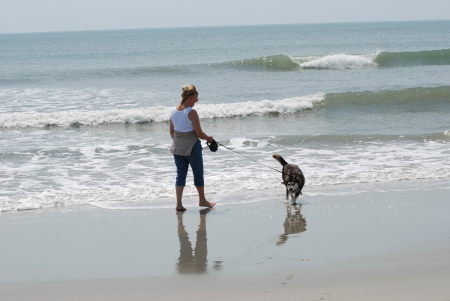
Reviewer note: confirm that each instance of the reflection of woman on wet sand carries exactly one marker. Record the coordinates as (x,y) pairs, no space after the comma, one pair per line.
(188,262)
(294,223)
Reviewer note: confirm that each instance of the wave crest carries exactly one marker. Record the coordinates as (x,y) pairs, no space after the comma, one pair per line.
(157,113)
(345,61)
(68,118)
(282,106)
(338,61)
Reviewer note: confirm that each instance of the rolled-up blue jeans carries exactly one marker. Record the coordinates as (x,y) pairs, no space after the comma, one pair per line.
(195,160)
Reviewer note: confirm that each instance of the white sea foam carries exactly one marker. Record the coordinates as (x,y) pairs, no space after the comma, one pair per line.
(67,118)
(338,61)
(157,113)
(162,194)
(121,177)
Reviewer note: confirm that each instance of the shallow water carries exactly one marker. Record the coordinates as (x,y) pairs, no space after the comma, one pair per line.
(84,115)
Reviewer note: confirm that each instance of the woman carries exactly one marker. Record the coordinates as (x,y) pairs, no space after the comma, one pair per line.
(186,148)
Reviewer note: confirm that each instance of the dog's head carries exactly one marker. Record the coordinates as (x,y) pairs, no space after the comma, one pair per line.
(293,183)
(292,186)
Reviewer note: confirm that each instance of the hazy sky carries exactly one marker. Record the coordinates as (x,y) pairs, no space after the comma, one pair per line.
(71,15)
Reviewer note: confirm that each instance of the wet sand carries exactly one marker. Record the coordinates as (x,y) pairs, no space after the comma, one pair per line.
(367,246)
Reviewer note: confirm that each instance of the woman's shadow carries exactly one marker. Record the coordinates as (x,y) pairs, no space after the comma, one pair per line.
(293,224)
(194,261)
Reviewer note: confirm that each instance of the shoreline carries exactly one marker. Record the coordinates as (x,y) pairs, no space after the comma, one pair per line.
(275,195)
(368,246)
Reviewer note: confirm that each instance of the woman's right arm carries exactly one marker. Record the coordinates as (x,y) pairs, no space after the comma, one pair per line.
(172,129)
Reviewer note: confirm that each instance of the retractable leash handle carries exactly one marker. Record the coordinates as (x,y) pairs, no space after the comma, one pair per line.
(212,146)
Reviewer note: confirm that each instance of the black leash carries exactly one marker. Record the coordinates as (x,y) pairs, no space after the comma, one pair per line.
(250,158)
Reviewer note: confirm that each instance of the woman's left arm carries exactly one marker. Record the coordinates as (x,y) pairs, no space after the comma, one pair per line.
(193,116)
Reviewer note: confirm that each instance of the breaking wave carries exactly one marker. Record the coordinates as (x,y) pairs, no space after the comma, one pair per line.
(337,61)
(157,113)
(436,98)
(283,62)
(343,61)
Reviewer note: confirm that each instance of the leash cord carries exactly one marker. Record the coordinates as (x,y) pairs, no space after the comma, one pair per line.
(249,158)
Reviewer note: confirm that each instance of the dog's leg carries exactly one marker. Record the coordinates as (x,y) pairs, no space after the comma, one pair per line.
(295,197)
(287,196)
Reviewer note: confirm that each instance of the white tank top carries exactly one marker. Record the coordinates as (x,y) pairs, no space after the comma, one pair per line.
(181,121)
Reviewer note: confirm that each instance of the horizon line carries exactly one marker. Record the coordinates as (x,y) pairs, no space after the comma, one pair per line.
(211,26)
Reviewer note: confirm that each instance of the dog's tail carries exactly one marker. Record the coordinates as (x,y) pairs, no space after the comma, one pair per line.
(280,159)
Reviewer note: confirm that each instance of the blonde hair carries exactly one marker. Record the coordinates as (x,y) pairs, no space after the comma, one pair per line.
(187,91)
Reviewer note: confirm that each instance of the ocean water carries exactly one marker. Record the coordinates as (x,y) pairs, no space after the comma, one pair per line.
(84,115)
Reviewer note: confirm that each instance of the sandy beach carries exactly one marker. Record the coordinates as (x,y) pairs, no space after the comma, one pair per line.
(392,245)
(87,196)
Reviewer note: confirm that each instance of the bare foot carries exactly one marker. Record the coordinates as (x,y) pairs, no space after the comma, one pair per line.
(205,203)
(181,208)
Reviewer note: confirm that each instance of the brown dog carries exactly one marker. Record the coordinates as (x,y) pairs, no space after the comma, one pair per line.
(293,179)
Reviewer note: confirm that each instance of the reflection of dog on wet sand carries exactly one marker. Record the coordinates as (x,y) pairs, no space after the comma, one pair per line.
(293,179)
(294,223)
